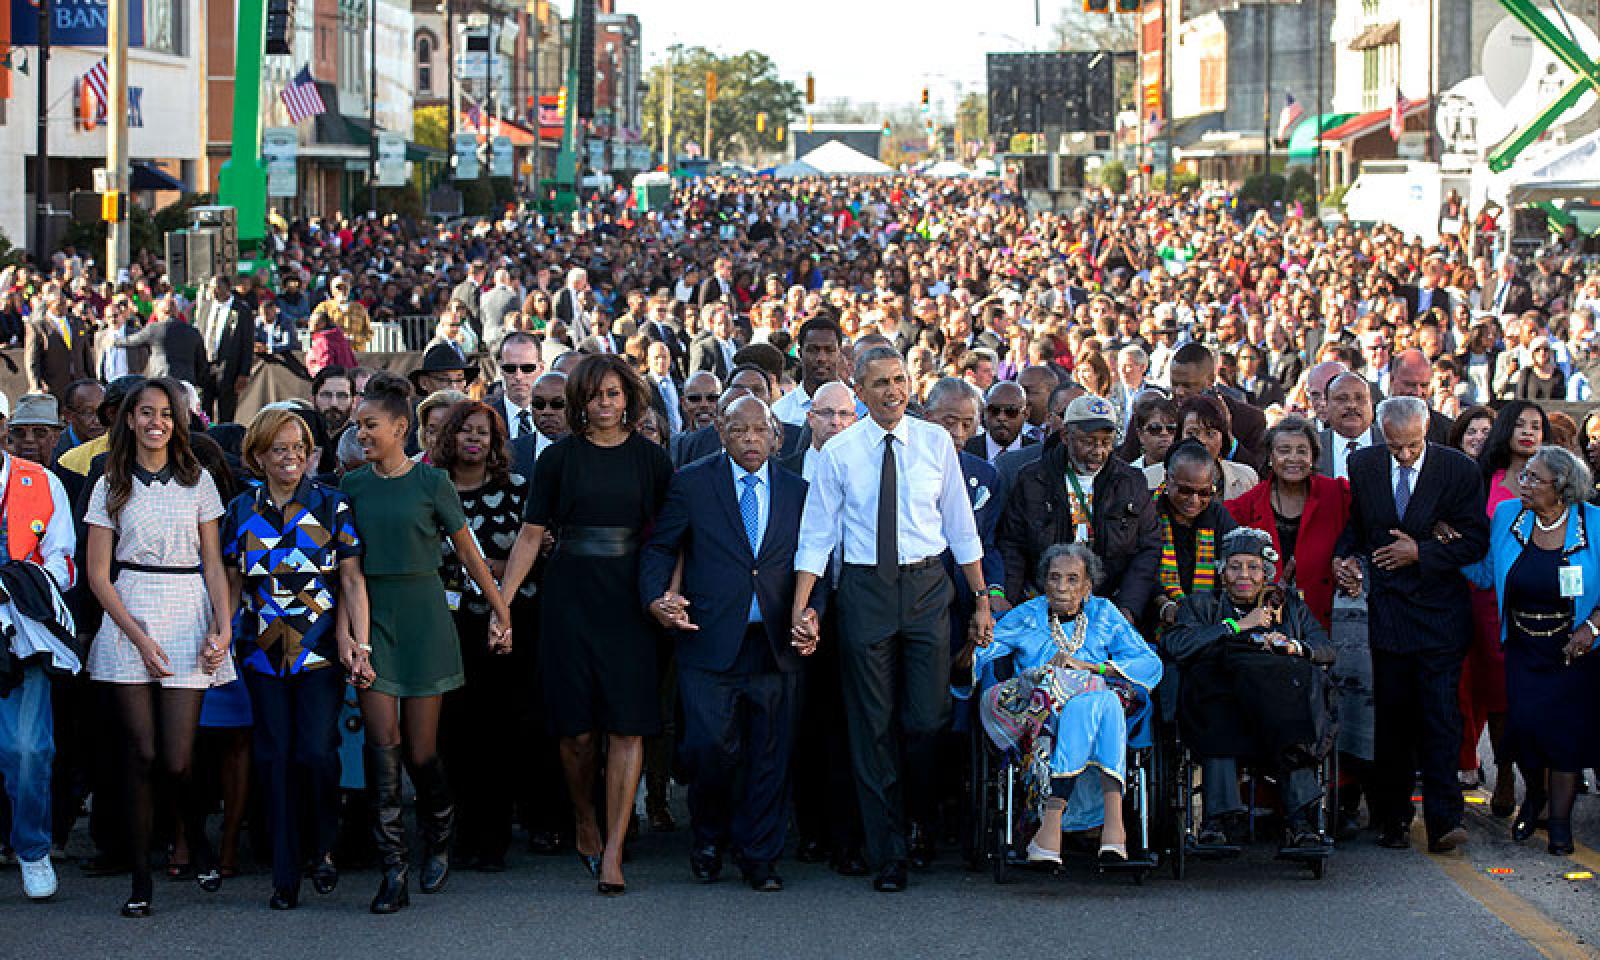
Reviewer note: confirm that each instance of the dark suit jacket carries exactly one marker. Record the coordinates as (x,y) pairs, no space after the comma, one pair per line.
(658,403)
(701,520)
(673,338)
(978,446)
(1423,607)
(1249,427)
(693,445)
(51,363)
(105,340)
(706,354)
(711,291)
(591,344)
(236,351)
(176,348)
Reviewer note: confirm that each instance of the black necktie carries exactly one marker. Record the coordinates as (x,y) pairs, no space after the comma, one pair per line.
(888,515)
(524,423)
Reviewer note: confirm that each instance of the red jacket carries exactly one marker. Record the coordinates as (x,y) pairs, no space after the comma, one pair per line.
(1327,508)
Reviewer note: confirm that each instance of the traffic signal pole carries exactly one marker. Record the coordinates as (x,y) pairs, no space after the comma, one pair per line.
(242,182)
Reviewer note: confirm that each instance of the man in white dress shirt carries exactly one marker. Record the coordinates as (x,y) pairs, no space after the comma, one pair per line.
(832,409)
(520,367)
(889,491)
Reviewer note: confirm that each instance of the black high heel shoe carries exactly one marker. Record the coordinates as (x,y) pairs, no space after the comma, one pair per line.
(611,889)
(1560,837)
(210,880)
(136,909)
(1528,819)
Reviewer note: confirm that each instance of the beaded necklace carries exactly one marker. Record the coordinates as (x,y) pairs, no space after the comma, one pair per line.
(1205,561)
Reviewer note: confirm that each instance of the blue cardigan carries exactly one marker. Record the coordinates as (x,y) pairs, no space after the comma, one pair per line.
(1582,549)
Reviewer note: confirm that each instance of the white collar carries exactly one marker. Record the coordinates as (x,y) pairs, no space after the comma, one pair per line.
(739,473)
(1416,468)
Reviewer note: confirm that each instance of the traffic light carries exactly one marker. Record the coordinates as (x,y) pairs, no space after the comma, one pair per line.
(113,206)
(1096,6)
(561,103)
(924,99)
(780,134)
(811,90)
(761,123)
(711,85)
(809,123)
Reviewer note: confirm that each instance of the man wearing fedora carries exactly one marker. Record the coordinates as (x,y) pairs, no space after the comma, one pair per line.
(35,429)
(442,368)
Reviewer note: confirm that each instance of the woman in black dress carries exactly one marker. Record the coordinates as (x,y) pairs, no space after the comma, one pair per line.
(595,491)
(483,721)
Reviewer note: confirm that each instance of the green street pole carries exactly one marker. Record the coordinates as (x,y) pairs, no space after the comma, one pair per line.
(242,182)
(1570,55)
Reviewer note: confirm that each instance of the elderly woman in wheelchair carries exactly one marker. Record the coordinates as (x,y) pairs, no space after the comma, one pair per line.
(1252,668)
(1080,670)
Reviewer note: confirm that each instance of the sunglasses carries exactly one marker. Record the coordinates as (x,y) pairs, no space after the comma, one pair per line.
(1184,490)
(1161,429)
(519,367)
(700,397)
(554,403)
(1004,410)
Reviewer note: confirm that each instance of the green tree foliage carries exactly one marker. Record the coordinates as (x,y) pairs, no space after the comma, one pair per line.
(747,84)
(1113,176)
(429,126)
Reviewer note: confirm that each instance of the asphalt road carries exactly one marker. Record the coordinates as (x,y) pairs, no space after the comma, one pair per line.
(1372,903)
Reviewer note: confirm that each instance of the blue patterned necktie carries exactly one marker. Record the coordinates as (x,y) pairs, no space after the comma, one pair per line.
(750,511)
(1402,491)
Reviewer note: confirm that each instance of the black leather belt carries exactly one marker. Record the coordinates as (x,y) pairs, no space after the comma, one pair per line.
(922,564)
(151,568)
(597,541)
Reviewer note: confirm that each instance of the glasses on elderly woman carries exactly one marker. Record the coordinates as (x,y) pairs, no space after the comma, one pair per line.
(1530,479)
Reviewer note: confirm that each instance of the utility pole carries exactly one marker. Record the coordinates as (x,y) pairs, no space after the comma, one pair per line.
(372,108)
(41,162)
(711,90)
(538,109)
(1166,83)
(117,247)
(1316,146)
(1266,99)
(450,84)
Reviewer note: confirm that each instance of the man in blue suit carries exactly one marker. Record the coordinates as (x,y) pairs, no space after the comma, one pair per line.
(738,659)
(1416,518)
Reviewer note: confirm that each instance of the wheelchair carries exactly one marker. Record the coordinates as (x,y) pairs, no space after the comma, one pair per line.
(998,829)
(1181,788)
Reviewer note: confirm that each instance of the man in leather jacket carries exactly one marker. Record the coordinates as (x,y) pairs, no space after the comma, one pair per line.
(1075,492)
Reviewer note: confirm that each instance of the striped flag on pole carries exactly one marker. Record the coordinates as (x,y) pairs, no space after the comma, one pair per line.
(300,98)
(96,80)
(1291,114)
(1397,115)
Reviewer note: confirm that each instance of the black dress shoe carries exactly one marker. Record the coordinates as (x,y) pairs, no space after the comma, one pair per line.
(706,864)
(892,878)
(1561,844)
(1530,818)
(1395,837)
(136,909)
(849,864)
(811,851)
(210,881)
(920,845)
(324,877)
(1455,837)
(762,878)
(284,900)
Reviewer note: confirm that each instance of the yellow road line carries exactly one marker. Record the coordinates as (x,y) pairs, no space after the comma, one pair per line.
(1589,858)
(1524,919)
(1582,855)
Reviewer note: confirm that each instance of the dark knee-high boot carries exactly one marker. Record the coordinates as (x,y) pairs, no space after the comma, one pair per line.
(388,830)
(436,814)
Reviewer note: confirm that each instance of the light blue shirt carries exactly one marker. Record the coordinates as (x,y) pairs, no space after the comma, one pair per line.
(763,491)
(934,512)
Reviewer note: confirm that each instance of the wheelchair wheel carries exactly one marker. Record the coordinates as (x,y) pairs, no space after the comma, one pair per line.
(1001,815)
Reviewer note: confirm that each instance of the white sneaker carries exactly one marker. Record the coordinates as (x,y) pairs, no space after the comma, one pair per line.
(38,879)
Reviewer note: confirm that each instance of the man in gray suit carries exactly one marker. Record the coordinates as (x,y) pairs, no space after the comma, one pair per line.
(493,307)
(1350,424)
(176,348)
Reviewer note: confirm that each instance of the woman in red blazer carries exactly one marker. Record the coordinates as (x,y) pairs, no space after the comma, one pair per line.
(1304,511)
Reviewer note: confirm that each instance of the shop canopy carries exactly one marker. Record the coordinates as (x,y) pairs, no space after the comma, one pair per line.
(1571,172)
(1303,138)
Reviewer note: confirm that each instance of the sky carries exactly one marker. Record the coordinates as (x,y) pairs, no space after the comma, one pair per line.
(866,50)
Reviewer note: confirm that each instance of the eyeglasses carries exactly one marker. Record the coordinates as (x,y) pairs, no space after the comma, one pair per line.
(1530,479)
(552,403)
(832,414)
(278,451)
(700,398)
(519,367)
(1184,490)
(1004,410)
(1161,429)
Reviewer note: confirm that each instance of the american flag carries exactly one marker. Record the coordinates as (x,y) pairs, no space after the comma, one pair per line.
(1397,115)
(300,98)
(1291,114)
(96,80)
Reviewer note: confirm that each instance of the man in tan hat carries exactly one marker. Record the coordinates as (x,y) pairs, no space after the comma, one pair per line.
(34,429)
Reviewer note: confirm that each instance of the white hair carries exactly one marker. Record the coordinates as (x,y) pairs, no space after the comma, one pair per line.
(1403,410)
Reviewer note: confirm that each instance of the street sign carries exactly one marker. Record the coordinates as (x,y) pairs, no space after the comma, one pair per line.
(280,150)
(466,156)
(500,158)
(391,159)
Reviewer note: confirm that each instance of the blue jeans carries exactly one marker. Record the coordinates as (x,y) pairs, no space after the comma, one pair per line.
(27,749)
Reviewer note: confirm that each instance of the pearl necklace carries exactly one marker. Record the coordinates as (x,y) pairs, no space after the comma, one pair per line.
(1554,524)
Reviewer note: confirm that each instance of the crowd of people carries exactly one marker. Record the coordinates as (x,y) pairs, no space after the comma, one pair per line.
(781,495)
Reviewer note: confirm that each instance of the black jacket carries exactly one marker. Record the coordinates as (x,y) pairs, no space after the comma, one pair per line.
(1126,531)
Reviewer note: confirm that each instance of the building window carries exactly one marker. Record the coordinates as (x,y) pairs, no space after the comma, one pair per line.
(424,64)
(1370,8)
(163,26)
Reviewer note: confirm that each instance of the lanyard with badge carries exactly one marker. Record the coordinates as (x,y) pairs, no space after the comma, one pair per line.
(1082,532)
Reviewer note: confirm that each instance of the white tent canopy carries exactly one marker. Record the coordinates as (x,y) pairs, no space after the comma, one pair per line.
(1570,172)
(796,170)
(836,159)
(947,168)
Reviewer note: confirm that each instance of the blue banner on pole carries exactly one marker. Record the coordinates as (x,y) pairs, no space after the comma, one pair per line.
(73,23)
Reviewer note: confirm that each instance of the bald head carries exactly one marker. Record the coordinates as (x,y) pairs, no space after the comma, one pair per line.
(1410,374)
(833,392)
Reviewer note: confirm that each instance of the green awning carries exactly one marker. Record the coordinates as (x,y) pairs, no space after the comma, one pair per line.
(1303,138)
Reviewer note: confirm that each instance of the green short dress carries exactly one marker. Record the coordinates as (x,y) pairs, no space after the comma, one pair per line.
(415,652)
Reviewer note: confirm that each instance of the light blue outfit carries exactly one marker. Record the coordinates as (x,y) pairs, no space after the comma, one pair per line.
(1582,549)
(1091,729)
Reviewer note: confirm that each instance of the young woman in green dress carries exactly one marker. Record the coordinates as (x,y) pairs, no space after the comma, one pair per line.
(402,510)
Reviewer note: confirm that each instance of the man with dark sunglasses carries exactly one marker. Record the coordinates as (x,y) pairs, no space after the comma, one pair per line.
(1005,411)
(548,404)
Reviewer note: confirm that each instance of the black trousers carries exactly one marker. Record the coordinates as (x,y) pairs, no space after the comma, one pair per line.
(737,721)
(825,805)
(296,743)
(895,647)
(1418,726)
(479,737)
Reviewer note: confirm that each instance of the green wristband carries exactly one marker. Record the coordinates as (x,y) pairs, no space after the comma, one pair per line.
(1231,624)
